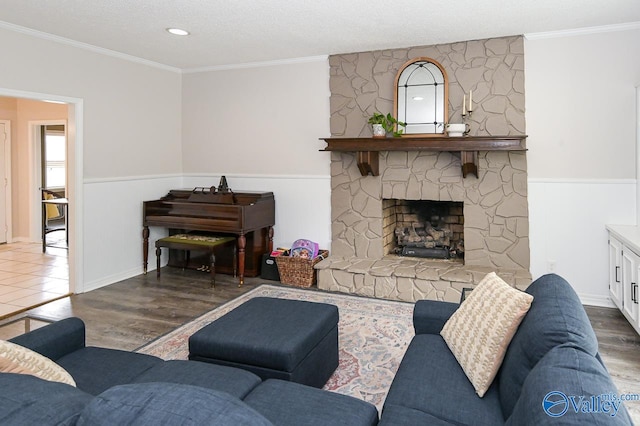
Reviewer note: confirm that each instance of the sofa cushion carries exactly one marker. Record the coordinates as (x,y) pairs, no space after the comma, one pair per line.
(429,379)
(396,415)
(567,386)
(17,359)
(29,400)
(97,369)
(556,317)
(233,381)
(287,403)
(480,330)
(167,404)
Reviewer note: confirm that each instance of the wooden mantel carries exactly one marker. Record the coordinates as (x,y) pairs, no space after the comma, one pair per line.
(468,146)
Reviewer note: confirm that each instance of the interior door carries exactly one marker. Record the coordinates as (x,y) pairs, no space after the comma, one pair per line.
(3,183)
(630,264)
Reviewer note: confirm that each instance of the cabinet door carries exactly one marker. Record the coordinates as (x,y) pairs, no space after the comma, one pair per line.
(615,271)
(630,268)
(634,310)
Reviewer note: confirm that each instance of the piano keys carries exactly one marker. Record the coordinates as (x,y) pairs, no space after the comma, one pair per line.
(250,216)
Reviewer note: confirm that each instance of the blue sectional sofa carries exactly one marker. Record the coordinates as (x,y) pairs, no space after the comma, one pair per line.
(551,374)
(118,387)
(551,362)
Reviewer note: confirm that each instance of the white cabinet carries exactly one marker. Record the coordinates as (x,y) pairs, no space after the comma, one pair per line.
(624,277)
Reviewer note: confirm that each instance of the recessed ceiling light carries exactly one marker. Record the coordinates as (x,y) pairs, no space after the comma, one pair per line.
(178,31)
(418,98)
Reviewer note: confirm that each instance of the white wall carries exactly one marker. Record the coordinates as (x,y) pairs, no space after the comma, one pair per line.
(566,223)
(260,127)
(131,110)
(580,112)
(260,120)
(113,238)
(131,128)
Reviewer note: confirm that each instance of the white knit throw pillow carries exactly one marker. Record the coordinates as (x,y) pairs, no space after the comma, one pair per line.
(20,360)
(480,330)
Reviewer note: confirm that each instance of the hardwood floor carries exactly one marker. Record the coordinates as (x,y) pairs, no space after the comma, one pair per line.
(130,313)
(133,312)
(619,347)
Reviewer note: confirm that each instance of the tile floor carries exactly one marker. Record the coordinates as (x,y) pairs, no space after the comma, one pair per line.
(29,277)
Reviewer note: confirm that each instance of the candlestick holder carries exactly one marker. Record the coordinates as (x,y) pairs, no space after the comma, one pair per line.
(467,112)
(466,117)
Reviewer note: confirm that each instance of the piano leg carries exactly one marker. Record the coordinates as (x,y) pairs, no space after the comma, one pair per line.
(158,253)
(145,248)
(235,259)
(242,243)
(270,242)
(212,267)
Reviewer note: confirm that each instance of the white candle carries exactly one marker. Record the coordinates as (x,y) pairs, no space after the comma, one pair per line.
(470,100)
(464,105)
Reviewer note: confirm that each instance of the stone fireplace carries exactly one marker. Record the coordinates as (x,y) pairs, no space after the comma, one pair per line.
(495,224)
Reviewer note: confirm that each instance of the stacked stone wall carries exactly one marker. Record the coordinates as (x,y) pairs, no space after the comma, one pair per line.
(496,222)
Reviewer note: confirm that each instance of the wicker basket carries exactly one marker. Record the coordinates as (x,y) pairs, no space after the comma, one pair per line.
(298,271)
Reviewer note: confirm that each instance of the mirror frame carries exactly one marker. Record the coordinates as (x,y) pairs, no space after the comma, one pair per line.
(445,94)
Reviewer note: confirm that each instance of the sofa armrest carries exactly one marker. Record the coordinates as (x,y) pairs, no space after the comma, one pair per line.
(55,340)
(429,316)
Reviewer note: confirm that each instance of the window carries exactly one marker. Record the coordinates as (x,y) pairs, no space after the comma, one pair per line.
(54,154)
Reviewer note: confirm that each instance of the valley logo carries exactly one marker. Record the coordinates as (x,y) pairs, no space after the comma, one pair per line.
(557,404)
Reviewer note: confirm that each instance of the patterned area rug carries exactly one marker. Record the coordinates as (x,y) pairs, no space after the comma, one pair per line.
(373,337)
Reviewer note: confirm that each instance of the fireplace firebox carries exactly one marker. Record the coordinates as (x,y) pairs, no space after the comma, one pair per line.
(424,228)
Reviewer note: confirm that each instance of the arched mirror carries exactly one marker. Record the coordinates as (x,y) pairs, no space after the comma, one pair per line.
(422,97)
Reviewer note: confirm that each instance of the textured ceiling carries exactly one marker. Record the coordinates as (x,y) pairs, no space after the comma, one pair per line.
(228,32)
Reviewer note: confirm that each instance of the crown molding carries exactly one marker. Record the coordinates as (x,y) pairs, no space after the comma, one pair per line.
(583,31)
(85,46)
(290,61)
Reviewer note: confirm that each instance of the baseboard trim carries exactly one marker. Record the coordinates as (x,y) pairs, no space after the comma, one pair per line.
(112,279)
(596,300)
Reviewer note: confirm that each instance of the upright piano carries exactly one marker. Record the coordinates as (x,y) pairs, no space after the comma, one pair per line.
(249,216)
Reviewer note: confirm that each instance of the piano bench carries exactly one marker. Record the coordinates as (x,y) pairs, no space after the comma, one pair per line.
(188,242)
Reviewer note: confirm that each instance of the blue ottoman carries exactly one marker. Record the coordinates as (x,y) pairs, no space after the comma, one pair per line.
(274,338)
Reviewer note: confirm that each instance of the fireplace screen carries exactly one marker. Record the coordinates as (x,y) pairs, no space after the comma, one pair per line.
(427,229)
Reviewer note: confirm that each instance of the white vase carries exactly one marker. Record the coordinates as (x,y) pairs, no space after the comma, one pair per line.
(378,131)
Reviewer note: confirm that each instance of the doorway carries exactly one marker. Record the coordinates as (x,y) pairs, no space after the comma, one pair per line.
(29,277)
(51,163)
(74,131)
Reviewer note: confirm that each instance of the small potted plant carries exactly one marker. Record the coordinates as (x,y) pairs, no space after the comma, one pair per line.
(383,124)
